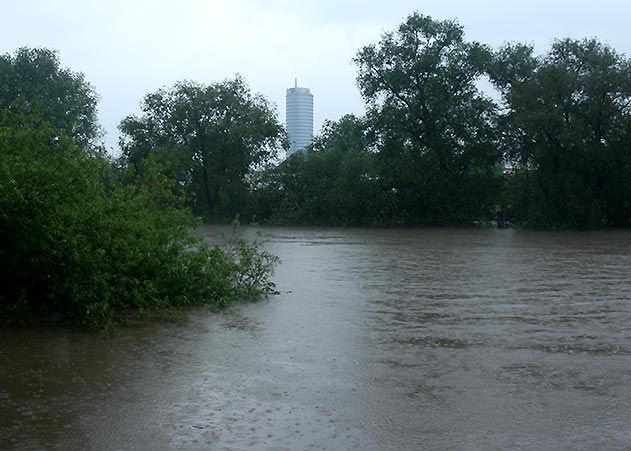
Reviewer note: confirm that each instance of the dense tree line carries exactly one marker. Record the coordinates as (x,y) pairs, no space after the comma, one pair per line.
(435,149)
(425,154)
(544,144)
(82,240)
(566,130)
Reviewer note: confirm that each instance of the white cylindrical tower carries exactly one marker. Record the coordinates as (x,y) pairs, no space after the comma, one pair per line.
(299,118)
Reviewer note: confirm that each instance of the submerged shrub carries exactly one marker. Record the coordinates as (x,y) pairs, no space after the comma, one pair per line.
(82,245)
(251,266)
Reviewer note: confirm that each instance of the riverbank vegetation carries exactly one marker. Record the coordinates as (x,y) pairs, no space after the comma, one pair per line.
(455,133)
(84,240)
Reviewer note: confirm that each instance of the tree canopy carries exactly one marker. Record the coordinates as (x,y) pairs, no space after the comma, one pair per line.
(567,130)
(212,136)
(436,148)
(332,183)
(432,125)
(33,83)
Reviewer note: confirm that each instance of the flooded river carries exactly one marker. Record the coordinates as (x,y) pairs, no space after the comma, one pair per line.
(379,340)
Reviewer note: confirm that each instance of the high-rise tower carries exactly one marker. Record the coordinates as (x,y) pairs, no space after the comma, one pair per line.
(299,117)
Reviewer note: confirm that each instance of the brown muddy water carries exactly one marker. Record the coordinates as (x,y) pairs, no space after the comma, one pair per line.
(380,340)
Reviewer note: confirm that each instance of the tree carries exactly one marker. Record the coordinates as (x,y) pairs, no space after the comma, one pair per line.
(353,189)
(82,246)
(331,182)
(433,126)
(567,129)
(215,134)
(32,82)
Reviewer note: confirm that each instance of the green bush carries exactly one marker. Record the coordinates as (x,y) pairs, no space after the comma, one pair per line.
(82,245)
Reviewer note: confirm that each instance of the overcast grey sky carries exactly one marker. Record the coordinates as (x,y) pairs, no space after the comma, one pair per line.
(128,48)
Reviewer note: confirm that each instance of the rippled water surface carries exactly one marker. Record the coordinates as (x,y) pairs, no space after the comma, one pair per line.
(379,339)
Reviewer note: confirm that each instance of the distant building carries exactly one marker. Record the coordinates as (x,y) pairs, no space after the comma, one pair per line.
(299,118)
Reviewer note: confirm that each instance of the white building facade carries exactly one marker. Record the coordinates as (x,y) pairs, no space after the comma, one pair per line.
(299,118)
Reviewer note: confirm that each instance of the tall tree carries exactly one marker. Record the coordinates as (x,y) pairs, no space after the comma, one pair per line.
(433,125)
(567,128)
(32,82)
(216,135)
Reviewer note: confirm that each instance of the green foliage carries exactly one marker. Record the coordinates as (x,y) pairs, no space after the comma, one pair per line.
(81,245)
(432,126)
(250,265)
(209,137)
(434,150)
(33,84)
(567,131)
(333,183)
(426,153)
